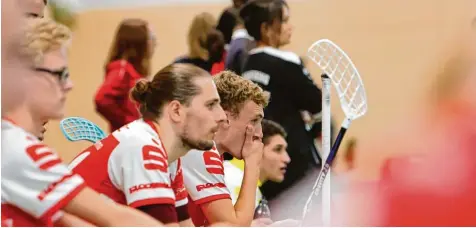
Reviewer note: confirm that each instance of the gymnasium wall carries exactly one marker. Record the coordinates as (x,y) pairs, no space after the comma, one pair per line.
(394,43)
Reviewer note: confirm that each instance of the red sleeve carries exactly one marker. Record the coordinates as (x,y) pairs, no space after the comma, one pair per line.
(108,97)
(165,213)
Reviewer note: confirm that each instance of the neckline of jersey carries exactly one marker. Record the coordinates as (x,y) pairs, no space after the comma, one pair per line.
(156,129)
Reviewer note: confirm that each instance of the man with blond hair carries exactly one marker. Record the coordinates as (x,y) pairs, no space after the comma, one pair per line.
(241,135)
(37,188)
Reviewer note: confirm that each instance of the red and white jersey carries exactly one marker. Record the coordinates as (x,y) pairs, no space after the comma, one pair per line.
(204,180)
(130,167)
(36,185)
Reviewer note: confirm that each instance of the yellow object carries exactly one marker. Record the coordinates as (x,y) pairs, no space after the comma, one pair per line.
(234,172)
(240,164)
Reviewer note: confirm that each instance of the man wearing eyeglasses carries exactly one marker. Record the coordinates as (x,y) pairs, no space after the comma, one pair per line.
(37,188)
(34,8)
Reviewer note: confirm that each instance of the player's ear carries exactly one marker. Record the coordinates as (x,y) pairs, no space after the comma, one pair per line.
(176,111)
(264,29)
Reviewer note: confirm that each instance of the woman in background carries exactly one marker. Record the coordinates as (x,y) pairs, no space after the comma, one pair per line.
(206,44)
(128,61)
(284,76)
(227,24)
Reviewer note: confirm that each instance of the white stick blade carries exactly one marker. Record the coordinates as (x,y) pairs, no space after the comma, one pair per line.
(334,62)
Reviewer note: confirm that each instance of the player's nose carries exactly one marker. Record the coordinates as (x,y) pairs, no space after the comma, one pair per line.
(258,133)
(220,115)
(286,158)
(68,85)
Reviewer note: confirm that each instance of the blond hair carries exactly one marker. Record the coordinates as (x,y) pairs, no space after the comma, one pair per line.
(234,91)
(43,36)
(201,25)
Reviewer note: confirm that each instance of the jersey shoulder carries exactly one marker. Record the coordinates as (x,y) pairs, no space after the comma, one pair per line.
(14,137)
(17,144)
(196,156)
(281,55)
(135,134)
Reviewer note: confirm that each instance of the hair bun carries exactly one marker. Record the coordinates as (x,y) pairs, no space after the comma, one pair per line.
(140,91)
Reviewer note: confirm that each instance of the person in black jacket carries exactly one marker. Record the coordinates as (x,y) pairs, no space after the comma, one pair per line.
(290,85)
(228,20)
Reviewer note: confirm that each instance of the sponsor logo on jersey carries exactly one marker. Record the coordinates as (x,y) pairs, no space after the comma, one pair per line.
(52,187)
(200,187)
(147,186)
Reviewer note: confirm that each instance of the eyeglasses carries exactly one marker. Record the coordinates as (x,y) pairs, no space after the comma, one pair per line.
(33,15)
(62,75)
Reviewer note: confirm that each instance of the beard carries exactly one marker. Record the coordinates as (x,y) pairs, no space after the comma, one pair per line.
(191,143)
(197,144)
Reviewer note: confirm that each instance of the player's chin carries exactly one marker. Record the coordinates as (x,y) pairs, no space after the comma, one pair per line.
(278,178)
(285,41)
(206,144)
(236,155)
(56,114)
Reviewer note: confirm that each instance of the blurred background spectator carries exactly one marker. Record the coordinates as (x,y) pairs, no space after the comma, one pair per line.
(206,44)
(240,44)
(128,61)
(228,20)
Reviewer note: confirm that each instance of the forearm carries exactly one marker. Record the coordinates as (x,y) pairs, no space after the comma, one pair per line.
(245,204)
(105,213)
(129,216)
(186,223)
(71,220)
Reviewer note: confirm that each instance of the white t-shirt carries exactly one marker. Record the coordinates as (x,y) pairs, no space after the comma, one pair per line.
(234,177)
(35,182)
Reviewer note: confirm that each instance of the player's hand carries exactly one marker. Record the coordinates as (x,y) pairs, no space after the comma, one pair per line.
(286,222)
(253,146)
(261,222)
